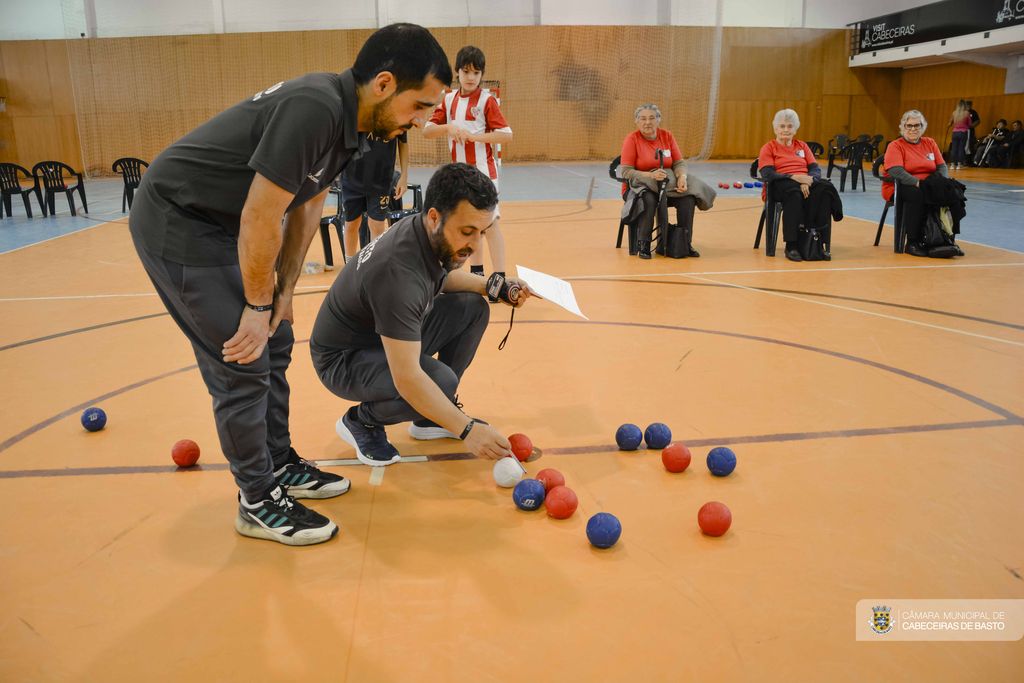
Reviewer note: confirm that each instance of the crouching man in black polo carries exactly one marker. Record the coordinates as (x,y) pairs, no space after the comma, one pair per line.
(400,302)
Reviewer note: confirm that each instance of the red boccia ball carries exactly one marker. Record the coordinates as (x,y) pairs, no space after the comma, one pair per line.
(522,447)
(561,502)
(550,478)
(676,457)
(714,519)
(185,453)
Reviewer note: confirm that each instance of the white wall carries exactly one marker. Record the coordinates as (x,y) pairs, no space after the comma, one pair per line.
(43,19)
(31,20)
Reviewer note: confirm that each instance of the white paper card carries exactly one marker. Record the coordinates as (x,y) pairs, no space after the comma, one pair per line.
(551,288)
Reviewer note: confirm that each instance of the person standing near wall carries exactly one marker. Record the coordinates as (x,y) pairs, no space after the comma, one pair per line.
(222,221)
(961,122)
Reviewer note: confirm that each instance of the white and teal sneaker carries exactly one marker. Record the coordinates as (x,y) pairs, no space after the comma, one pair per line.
(279,517)
(300,479)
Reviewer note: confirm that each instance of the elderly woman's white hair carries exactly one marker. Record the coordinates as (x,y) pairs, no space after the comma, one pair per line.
(914,114)
(652,107)
(786,115)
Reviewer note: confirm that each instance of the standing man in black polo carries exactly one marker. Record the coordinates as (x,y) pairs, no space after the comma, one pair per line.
(402,301)
(222,222)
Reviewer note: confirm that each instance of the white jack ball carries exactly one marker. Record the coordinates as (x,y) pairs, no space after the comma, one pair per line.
(507,472)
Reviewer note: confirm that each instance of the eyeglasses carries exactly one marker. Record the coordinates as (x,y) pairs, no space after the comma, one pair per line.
(911,126)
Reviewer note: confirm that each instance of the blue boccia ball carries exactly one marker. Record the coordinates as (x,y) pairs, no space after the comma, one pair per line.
(94,419)
(629,437)
(657,436)
(721,461)
(528,494)
(603,530)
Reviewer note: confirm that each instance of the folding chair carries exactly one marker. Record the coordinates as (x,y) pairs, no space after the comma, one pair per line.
(613,169)
(854,154)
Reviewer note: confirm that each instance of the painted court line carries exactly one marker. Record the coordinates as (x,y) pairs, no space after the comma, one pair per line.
(603,277)
(856,310)
(376,476)
(355,461)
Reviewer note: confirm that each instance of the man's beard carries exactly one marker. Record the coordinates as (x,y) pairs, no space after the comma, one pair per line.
(382,124)
(444,252)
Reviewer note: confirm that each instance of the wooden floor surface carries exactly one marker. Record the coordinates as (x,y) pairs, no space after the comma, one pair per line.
(874,403)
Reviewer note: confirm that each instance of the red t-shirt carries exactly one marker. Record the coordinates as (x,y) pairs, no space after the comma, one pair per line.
(792,160)
(639,152)
(918,160)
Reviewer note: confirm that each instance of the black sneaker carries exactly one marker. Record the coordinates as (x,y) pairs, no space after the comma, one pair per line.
(280,518)
(643,249)
(300,479)
(370,441)
(915,250)
(793,254)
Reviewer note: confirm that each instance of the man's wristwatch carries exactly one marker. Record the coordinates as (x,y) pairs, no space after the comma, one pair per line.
(260,309)
(465,432)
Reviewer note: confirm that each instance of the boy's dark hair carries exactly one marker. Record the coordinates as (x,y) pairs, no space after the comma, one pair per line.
(458,182)
(470,56)
(407,51)
(1018,122)
(1002,121)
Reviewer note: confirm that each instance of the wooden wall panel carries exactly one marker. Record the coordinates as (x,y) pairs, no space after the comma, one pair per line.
(28,82)
(61,91)
(961,80)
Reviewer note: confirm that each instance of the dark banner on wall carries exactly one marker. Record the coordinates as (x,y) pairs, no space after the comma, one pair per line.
(937,21)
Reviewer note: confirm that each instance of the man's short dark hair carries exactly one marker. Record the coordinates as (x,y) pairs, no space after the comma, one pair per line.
(454,183)
(1018,122)
(409,52)
(1002,121)
(472,57)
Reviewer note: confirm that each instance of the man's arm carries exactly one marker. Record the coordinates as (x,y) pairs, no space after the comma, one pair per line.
(403,162)
(259,243)
(300,224)
(427,399)
(461,281)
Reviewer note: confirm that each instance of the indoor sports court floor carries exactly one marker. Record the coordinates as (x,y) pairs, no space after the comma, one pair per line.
(875,404)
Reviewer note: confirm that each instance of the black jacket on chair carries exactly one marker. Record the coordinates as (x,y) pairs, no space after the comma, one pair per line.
(942,191)
(823,202)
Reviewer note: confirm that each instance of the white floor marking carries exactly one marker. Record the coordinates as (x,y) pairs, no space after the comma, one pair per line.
(857,310)
(377,475)
(354,461)
(801,270)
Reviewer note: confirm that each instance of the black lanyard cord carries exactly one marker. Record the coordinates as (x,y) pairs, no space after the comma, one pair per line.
(505,339)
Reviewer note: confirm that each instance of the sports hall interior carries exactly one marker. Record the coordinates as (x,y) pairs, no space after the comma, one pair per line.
(875,402)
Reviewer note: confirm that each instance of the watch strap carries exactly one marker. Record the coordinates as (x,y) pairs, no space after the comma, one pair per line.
(260,309)
(465,432)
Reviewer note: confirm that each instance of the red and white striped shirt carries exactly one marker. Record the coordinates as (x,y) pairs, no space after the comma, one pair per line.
(478,113)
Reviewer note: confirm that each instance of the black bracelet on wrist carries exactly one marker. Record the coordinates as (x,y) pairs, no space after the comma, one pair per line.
(260,309)
(465,432)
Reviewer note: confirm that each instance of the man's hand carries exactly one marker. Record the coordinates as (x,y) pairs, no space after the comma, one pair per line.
(680,184)
(658,174)
(282,310)
(248,342)
(401,187)
(484,441)
(524,294)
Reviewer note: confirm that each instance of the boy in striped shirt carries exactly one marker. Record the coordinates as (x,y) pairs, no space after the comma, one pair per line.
(474,123)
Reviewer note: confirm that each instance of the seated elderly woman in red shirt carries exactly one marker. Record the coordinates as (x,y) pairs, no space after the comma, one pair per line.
(909,159)
(789,165)
(649,156)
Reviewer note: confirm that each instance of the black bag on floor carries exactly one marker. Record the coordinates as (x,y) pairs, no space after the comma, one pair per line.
(811,244)
(676,243)
(934,239)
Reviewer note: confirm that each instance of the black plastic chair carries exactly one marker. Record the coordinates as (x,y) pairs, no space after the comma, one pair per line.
(769,220)
(52,175)
(817,149)
(10,186)
(863,138)
(900,230)
(130,169)
(854,154)
(835,145)
(875,143)
(613,169)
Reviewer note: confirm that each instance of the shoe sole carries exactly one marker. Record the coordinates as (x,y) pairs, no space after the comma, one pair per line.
(251,530)
(430,433)
(318,493)
(347,437)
